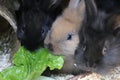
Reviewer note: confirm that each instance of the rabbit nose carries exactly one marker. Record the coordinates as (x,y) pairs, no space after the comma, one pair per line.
(90,64)
(49,46)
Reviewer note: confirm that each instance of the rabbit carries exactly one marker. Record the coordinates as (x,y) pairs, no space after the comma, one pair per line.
(110,63)
(101,50)
(62,39)
(34,19)
(94,33)
(112,43)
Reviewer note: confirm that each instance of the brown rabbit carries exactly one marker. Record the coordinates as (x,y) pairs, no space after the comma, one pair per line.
(63,38)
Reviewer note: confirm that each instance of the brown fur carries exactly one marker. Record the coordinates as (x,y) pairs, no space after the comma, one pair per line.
(68,23)
(117,20)
(57,37)
(114,20)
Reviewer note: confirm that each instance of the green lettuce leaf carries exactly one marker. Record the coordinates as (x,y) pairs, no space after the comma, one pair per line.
(30,65)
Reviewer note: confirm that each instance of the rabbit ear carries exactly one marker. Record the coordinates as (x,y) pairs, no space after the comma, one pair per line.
(91,9)
(75,11)
(77,5)
(54,3)
(73,4)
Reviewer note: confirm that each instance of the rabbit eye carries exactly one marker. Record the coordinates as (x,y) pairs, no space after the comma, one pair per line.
(42,31)
(69,37)
(22,30)
(104,50)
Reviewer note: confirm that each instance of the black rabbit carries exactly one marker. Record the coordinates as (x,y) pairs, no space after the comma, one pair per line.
(34,19)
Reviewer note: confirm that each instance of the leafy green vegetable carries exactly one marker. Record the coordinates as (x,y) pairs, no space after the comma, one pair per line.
(30,65)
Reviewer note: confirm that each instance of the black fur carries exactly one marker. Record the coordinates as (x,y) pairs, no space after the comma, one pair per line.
(34,19)
(108,6)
